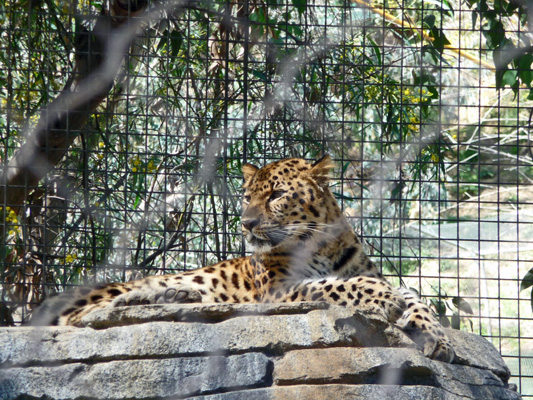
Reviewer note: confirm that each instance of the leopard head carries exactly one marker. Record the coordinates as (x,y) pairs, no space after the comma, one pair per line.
(285,203)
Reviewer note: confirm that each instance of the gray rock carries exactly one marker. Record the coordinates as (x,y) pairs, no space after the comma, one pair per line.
(335,392)
(136,379)
(352,392)
(387,366)
(263,351)
(271,333)
(476,351)
(210,313)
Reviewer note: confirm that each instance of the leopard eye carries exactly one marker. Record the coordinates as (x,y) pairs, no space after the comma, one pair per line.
(246,199)
(276,194)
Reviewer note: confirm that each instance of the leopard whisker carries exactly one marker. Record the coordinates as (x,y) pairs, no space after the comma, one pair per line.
(301,229)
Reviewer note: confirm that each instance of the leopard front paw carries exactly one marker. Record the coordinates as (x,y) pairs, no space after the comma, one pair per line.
(161,296)
(432,341)
(181,295)
(133,298)
(443,351)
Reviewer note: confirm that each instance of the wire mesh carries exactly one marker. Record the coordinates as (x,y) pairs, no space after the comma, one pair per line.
(432,145)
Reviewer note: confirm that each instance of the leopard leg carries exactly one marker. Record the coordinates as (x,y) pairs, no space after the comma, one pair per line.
(421,325)
(179,288)
(364,293)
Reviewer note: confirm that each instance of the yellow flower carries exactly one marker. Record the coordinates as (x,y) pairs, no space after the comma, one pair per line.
(134,169)
(101,145)
(435,158)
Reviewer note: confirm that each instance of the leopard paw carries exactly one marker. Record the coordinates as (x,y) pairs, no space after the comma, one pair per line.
(432,341)
(181,295)
(132,298)
(161,296)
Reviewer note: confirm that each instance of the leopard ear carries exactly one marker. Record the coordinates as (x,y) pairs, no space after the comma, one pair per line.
(320,170)
(248,171)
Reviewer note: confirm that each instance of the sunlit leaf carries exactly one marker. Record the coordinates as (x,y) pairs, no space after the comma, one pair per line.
(462,304)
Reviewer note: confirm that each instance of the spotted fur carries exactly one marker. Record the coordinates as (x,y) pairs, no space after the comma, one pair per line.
(304,250)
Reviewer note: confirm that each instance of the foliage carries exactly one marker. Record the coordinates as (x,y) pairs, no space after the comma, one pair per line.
(512,54)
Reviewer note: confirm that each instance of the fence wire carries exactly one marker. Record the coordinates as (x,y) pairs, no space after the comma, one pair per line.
(431,140)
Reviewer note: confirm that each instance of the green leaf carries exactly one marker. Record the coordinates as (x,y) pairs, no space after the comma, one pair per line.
(440,307)
(162,40)
(495,34)
(456,321)
(176,41)
(525,71)
(509,77)
(527,281)
(258,16)
(462,304)
(343,197)
(377,51)
(434,92)
(300,5)
(444,321)
(260,75)
(440,40)
(429,21)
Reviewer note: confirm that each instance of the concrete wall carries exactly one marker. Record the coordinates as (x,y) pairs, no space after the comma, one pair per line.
(291,351)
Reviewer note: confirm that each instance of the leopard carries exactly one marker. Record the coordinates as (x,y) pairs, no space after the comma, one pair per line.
(304,249)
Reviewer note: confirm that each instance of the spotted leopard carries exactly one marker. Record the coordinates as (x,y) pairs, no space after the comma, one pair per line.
(304,250)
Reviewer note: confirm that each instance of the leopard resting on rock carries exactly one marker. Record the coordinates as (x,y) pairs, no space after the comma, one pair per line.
(304,250)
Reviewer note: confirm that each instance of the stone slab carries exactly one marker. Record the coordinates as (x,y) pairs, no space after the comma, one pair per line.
(387,366)
(476,351)
(352,392)
(197,312)
(136,379)
(335,392)
(270,333)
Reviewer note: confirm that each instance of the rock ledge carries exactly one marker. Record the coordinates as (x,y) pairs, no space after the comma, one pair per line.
(257,351)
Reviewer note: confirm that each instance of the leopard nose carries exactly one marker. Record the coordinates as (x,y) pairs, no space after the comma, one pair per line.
(249,223)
